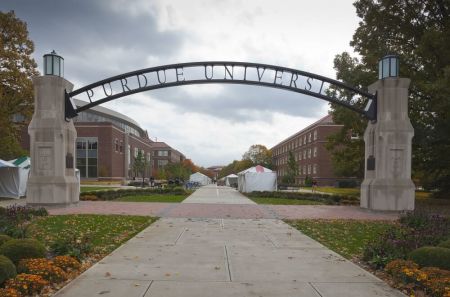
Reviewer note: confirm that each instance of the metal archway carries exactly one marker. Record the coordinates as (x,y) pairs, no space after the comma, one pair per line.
(219,72)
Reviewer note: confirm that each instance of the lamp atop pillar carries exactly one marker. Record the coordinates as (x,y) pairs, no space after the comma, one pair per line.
(388,66)
(53,64)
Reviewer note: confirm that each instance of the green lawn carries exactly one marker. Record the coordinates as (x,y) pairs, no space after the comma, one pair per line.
(346,237)
(89,189)
(105,232)
(284,201)
(153,198)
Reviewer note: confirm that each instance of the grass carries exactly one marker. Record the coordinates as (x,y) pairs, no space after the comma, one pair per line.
(89,189)
(106,232)
(346,237)
(284,201)
(339,191)
(153,198)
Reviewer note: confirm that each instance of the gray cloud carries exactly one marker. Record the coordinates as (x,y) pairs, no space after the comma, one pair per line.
(95,40)
(243,103)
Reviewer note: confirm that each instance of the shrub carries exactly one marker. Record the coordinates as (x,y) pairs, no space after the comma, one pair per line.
(18,249)
(44,268)
(4,238)
(27,284)
(178,191)
(88,197)
(7,269)
(416,230)
(445,244)
(67,263)
(114,194)
(430,256)
(9,293)
(72,245)
(24,213)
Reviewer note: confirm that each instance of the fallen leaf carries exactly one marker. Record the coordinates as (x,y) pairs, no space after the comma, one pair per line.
(107,274)
(104,292)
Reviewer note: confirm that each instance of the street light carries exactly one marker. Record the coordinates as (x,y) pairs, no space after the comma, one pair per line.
(388,66)
(53,64)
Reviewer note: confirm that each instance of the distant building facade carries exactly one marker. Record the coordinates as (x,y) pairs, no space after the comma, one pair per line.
(108,142)
(163,154)
(312,157)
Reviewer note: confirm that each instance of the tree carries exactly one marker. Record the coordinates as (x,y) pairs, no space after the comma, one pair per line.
(419,32)
(139,165)
(177,171)
(16,88)
(258,154)
(292,170)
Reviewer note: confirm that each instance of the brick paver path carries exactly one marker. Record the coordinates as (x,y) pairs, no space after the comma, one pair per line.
(212,209)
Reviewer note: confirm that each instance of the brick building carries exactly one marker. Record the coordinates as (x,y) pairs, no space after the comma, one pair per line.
(162,154)
(310,153)
(108,142)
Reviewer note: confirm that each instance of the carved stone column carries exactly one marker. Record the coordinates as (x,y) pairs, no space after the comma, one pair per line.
(387,182)
(52,179)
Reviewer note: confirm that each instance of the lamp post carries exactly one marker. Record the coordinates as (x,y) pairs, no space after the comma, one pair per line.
(388,66)
(53,64)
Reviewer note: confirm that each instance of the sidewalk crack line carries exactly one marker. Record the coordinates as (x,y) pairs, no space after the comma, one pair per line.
(228,263)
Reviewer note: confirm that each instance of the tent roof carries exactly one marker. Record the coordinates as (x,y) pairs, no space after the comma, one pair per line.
(4,163)
(257,168)
(22,162)
(199,173)
(231,175)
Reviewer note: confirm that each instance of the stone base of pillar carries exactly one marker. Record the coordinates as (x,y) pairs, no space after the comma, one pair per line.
(55,191)
(389,195)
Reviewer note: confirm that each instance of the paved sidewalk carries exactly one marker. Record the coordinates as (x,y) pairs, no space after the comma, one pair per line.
(225,257)
(220,257)
(213,194)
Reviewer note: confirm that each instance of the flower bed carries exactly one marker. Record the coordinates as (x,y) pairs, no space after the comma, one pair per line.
(409,277)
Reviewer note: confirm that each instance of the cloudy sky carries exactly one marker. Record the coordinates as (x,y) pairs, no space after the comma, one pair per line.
(211,124)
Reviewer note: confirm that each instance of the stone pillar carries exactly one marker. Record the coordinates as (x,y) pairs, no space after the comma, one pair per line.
(52,179)
(387,181)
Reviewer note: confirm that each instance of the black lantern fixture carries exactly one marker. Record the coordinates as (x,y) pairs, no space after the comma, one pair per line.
(388,66)
(53,64)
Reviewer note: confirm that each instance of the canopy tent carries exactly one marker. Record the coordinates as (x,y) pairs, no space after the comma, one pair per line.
(200,178)
(231,180)
(257,178)
(14,177)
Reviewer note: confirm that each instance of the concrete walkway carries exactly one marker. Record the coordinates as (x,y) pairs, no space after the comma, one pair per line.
(224,257)
(213,194)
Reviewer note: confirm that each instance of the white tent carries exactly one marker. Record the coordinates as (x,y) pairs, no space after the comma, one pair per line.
(14,177)
(257,178)
(231,180)
(200,178)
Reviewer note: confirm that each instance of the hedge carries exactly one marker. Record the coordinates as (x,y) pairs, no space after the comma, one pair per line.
(114,194)
(325,198)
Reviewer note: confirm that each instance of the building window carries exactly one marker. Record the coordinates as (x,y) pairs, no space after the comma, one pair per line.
(136,152)
(309,137)
(314,168)
(162,163)
(309,169)
(304,169)
(304,154)
(87,156)
(116,145)
(315,152)
(148,157)
(315,134)
(129,156)
(309,153)
(299,156)
(121,147)
(163,153)
(304,139)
